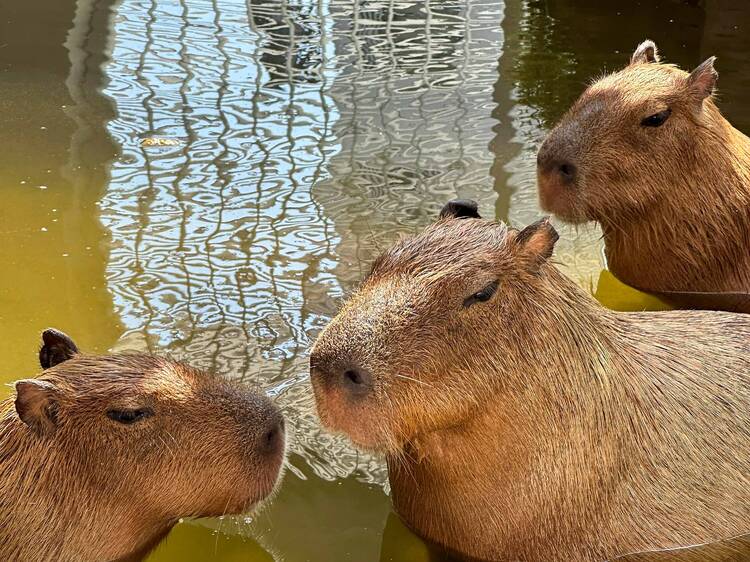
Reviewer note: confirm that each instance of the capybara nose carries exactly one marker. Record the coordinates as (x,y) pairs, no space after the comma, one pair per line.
(340,374)
(547,164)
(567,171)
(272,439)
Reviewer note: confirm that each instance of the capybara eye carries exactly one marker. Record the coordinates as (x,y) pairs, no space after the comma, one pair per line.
(657,119)
(483,295)
(130,416)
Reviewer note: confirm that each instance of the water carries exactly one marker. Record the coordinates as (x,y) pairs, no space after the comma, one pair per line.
(299,138)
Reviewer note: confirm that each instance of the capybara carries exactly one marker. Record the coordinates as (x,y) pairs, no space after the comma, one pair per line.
(100,456)
(520,419)
(646,153)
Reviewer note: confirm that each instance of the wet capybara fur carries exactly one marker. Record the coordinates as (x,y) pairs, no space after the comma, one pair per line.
(100,456)
(520,419)
(646,153)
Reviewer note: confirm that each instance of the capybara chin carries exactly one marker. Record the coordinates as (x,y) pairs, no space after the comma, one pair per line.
(647,154)
(520,419)
(100,456)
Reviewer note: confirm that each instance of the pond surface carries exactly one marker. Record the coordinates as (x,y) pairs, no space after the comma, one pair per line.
(208,179)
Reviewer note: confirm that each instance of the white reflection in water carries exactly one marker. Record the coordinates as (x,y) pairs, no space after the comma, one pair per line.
(311,133)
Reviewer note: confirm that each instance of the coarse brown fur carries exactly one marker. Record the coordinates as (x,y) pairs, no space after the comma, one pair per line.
(76,485)
(537,425)
(673,200)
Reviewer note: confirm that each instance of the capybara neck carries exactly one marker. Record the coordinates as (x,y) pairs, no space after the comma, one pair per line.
(47,498)
(697,238)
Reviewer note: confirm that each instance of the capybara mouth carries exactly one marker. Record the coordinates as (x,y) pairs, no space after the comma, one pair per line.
(273,487)
(560,198)
(339,419)
(263,493)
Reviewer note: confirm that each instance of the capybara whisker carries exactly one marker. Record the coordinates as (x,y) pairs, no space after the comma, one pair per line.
(412,379)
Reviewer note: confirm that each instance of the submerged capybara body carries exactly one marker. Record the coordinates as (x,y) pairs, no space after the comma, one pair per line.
(523,421)
(100,456)
(647,154)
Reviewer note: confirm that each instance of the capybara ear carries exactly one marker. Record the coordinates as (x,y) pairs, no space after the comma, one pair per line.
(460,209)
(537,241)
(36,405)
(645,52)
(56,348)
(702,80)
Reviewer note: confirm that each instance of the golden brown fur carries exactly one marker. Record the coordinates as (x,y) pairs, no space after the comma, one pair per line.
(83,487)
(537,425)
(674,200)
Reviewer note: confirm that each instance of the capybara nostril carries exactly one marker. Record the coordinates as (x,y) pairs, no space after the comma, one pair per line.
(357,380)
(550,163)
(567,171)
(272,440)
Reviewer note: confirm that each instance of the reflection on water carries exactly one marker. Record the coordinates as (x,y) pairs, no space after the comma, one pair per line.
(310,135)
(303,136)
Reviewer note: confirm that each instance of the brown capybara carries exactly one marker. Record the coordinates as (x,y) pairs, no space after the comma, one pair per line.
(646,153)
(520,419)
(100,456)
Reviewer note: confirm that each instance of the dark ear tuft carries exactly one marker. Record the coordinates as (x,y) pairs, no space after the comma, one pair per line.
(702,80)
(538,240)
(36,405)
(56,348)
(645,52)
(459,209)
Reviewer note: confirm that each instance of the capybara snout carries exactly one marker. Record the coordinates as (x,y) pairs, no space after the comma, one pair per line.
(346,374)
(262,423)
(562,168)
(557,176)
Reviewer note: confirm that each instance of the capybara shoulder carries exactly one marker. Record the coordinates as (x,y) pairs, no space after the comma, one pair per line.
(520,419)
(101,455)
(646,153)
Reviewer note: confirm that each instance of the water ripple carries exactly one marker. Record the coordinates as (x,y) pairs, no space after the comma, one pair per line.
(309,135)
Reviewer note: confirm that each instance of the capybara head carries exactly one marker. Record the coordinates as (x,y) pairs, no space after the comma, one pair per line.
(150,434)
(409,352)
(611,152)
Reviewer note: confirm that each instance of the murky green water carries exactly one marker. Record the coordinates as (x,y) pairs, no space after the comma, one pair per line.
(308,135)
